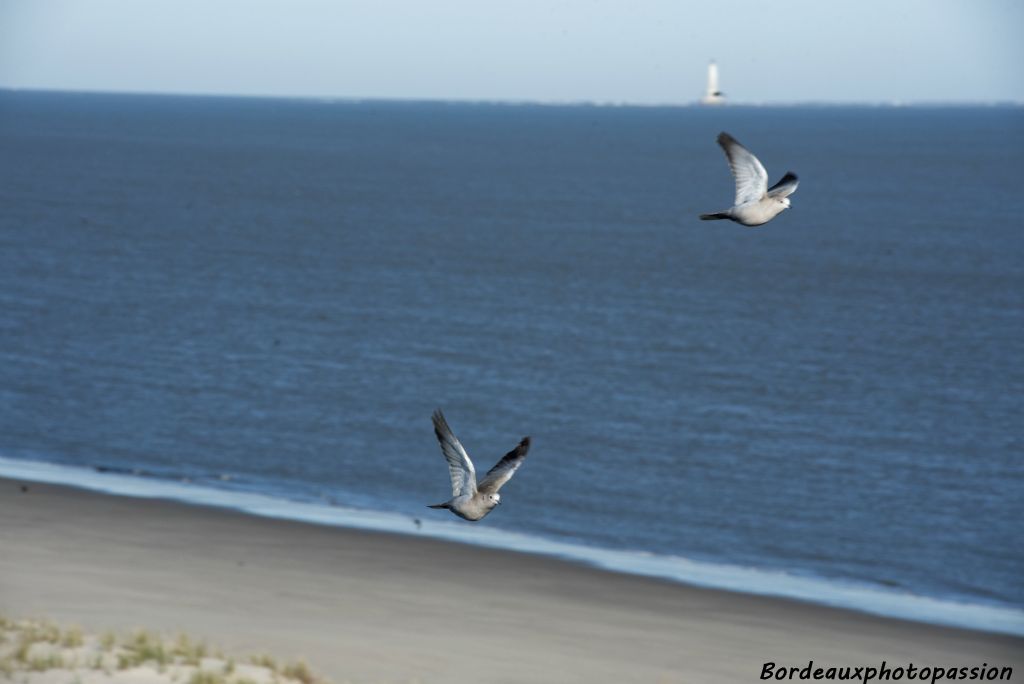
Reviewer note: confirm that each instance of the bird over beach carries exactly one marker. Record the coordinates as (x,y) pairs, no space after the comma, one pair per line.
(756,203)
(472,501)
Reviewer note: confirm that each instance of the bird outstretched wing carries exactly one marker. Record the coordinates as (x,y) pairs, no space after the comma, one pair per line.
(785,187)
(460,468)
(504,469)
(751,178)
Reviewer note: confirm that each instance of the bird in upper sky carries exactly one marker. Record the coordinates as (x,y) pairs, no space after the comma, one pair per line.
(756,203)
(472,501)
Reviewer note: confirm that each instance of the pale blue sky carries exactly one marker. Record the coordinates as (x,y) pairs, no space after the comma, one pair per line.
(640,51)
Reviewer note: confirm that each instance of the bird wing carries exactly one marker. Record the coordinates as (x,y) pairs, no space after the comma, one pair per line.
(785,187)
(751,178)
(460,468)
(504,469)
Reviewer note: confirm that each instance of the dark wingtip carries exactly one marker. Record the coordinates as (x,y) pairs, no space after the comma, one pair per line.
(440,426)
(524,445)
(724,139)
(790,177)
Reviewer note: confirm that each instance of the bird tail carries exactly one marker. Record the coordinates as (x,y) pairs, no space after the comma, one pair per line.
(440,505)
(718,215)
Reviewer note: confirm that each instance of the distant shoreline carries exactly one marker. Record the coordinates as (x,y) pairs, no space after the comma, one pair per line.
(609,104)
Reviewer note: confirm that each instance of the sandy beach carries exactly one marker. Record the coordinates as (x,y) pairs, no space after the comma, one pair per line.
(361,606)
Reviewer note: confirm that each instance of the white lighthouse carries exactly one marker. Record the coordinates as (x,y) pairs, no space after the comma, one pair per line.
(713,96)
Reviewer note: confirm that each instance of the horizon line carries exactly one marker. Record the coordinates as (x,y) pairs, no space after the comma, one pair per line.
(355,99)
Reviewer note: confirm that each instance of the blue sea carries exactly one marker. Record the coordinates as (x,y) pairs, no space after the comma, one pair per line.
(257,303)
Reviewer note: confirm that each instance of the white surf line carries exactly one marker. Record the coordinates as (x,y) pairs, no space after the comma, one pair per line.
(864,598)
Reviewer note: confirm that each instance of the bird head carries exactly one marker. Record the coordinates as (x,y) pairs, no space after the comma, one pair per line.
(784,201)
(494,499)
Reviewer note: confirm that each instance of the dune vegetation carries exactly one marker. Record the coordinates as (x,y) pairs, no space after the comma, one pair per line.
(40,651)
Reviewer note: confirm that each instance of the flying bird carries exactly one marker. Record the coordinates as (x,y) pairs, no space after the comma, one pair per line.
(756,203)
(472,501)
